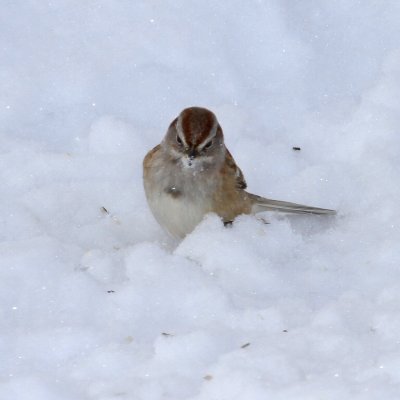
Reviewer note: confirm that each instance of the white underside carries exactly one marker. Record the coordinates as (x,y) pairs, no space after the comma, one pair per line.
(192,185)
(180,215)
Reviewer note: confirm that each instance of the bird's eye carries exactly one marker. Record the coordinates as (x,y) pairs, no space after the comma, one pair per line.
(208,144)
(179,140)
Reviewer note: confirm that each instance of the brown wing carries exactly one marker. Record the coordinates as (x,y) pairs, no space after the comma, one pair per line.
(231,200)
(239,178)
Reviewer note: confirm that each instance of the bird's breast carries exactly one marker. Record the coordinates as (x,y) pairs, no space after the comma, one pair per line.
(179,201)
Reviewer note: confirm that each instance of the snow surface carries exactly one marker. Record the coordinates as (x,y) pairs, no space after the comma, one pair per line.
(97,302)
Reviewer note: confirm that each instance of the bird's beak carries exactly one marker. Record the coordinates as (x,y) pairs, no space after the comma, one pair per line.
(192,153)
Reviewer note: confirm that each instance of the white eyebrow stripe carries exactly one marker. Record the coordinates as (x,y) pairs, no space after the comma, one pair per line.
(213,132)
(180,132)
(196,135)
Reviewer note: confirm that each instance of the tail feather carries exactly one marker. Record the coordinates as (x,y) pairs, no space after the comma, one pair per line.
(263,204)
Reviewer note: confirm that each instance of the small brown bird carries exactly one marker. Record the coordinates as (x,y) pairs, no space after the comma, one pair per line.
(191,173)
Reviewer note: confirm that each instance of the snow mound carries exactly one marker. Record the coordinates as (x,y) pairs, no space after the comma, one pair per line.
(97,302)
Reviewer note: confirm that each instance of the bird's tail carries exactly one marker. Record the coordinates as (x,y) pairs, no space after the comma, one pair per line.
(263,204)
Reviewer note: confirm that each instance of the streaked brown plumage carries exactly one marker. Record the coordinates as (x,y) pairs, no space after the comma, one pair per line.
(191,173)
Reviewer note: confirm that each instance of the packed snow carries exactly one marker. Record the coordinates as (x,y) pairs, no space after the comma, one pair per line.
(98,302)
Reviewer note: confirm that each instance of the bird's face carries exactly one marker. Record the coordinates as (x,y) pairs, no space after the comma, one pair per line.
(195,139)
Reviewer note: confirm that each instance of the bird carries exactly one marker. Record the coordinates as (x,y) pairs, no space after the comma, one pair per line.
(191,173)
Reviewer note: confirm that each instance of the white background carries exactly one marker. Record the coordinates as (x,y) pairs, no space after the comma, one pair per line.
(107,306)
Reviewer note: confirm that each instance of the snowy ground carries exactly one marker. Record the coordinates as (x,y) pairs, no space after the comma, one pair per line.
(104,305)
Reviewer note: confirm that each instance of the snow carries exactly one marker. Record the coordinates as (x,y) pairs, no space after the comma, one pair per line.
(97,302)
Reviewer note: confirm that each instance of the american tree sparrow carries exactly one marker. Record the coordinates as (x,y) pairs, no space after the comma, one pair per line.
(191,173)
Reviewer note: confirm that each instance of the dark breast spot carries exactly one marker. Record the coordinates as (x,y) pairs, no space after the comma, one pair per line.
(173,192)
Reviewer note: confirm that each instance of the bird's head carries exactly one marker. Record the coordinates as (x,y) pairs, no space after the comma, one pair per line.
(195,138)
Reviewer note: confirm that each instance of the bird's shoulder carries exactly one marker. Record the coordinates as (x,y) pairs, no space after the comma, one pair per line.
(232,169)
(148,159)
